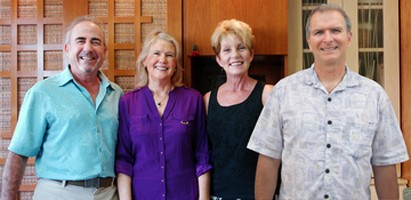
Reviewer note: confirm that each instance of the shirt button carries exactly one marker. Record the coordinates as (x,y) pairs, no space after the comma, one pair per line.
(162,180)
(329,99)
(161,138)
(329,122)
(161,153)
(328,145)
(327,171)
(326,196)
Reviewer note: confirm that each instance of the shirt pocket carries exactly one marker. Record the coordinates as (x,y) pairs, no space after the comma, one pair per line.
(183,123)
(137,124)
(358,139)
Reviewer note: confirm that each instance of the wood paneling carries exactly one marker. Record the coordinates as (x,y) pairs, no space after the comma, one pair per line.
(267,18)
(405,38)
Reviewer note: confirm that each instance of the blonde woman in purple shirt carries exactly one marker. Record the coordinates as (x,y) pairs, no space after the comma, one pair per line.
(162,150)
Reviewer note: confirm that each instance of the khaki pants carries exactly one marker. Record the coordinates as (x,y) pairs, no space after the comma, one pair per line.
(53,190)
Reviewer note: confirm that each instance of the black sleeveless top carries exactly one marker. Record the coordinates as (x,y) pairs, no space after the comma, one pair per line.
(229,130)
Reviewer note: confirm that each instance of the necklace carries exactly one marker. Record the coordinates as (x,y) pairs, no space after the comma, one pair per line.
(160,102)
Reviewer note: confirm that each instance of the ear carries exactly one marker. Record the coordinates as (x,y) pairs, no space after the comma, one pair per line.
(66,47)
(349,38)
(218,59)
(308,43)
(251,54)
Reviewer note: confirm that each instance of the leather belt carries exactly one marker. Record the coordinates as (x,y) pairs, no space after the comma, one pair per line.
(94,182)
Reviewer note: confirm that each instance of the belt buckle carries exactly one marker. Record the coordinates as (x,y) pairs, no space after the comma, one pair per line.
(94,182)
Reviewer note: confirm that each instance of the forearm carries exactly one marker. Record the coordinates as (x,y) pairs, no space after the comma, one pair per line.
(386,184)
(124,187)
(12,176)
(266,177)
(204,186)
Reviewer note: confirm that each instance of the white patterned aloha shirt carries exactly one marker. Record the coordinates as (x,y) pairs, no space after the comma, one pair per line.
(328,142)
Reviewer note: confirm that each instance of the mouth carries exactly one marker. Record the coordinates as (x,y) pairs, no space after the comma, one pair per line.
(236,63)
(329,49)
(87,58)
(161,68)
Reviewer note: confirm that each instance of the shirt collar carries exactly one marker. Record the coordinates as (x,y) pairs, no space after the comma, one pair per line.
(66,77)
(349,80)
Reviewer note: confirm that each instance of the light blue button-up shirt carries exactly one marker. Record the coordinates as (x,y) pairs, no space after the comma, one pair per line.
(328,142)
(71,137)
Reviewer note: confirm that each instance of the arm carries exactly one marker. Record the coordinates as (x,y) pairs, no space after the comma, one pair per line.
(204,186)
(12,176)
(206,99)
(266,92)
(266,177)
(124,186)
(386,182)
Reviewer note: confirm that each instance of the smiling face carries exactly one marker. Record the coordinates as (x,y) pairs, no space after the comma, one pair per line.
(86,49)
(329,38)
(234,56)
(161,61)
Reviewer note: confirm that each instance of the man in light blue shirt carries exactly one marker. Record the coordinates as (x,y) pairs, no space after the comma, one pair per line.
(69,123)
(329,127)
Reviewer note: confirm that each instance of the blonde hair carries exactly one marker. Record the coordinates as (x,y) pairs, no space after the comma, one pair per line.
(235,27)
(141,72)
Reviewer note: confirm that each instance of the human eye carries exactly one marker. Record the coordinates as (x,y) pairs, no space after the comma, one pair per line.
(225,50)
(170,55)
(242,48)
(80,40)
(96,42)
(318,32)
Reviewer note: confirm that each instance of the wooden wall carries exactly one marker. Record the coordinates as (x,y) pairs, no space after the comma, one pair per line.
(405,43)
(31,48)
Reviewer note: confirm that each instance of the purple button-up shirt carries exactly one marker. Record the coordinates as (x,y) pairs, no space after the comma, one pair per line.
(163,155)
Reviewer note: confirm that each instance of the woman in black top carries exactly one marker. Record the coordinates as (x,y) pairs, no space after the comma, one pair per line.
(233,109)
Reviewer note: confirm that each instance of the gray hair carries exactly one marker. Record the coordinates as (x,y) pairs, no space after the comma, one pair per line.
(327,7)
(70,30)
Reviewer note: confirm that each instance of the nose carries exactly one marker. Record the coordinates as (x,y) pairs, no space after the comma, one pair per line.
(88,46)
(328,36)
(162,58)
(235,53)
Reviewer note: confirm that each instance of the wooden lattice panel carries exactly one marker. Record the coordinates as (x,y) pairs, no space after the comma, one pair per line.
(5,9)
(27,34)
(53,8)
(125,60)
(157,9)
(5,35)
(5,102)
(124,8)
(53,60)
(124,33)
(24,84)
(5,61)
(27,61)
(125,82)
(53,34)
(26,8)
(98,8)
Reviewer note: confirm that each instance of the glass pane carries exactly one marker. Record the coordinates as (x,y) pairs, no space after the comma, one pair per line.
(370,26)
(370,39)
(313,2)
(308,60)
(308,5)
(372,65)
